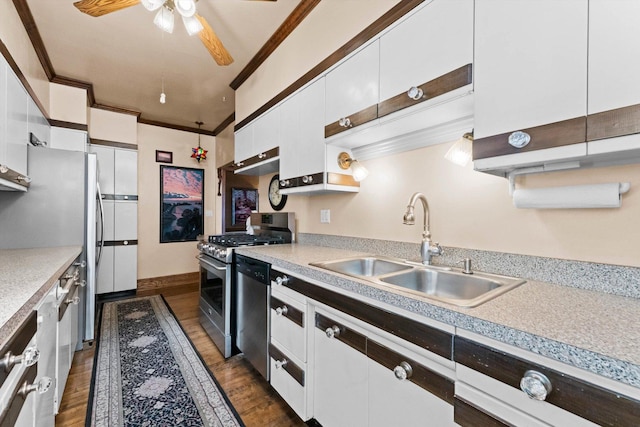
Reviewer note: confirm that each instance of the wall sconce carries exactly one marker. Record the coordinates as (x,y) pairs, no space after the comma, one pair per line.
(345,162)
(460,151)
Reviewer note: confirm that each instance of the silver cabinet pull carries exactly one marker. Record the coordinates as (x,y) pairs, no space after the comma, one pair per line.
(519,139)
(415,93)
(262,156)
(282,280)
(403,371)
(345,122)
(75,300)
(30,357)
(41,386)
(536,385)
(282,310)
(281,363)
(333,331)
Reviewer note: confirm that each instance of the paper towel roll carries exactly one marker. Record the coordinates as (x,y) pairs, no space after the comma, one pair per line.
(573,197)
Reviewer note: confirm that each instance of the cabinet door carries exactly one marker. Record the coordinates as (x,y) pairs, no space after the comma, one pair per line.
(614,64)
(434,41)
(266,132)
(126,172)
(68,139)
(243,145)
(106,167)
(109,221)
(340,379)
(353,85)
(125,220)
(401,402)
(46,342)
(302,147)
(125,268)
(105,271)
(529,75)
(17,131)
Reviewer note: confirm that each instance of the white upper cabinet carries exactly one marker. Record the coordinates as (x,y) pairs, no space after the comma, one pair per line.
(353,86)
(38,123)
(243,146)
(302,148)
(257,144)
(614,66)
(529,78)
(126,172)
(266,132)
(17,130)
(614,54)
(533,74)
(432,42)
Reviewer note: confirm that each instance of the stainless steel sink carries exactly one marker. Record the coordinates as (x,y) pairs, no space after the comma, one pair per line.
(364,266)
(442,284)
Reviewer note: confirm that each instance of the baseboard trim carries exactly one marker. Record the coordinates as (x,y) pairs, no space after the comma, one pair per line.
(169,285)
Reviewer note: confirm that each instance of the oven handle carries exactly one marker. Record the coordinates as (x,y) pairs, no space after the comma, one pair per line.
(204,261)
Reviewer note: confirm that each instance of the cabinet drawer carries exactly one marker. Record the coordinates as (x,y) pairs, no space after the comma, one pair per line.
(18,343)
(287,327)
(16,400)
(287,384)
(570,394)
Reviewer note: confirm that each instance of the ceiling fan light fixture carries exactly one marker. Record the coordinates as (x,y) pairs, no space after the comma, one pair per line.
(185,8)
(192,24)
(164,20)
(152,5)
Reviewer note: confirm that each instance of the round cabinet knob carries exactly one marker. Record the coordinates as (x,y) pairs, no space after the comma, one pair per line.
(41,386)
(284,183)
(82,264)
(536,385)
(282,310)
(519,139)
(345,122)
(333,331)
(307,179)
(415,93)
(262,156)
(282,280)
(403,371)
(75,300)
(126,197)
(281,363)
(82,283)
(30,357)
(126,242)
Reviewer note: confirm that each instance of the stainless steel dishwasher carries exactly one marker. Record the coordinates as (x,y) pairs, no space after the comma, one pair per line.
(252,311)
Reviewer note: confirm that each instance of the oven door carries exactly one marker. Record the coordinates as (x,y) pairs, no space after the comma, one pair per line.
(215,301)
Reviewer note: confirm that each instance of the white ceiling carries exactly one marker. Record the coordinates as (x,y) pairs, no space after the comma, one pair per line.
(125,56)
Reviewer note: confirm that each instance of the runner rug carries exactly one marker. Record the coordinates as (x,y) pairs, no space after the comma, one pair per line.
(147,372)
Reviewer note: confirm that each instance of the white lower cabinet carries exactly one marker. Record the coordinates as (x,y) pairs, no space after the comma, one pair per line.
(118,270)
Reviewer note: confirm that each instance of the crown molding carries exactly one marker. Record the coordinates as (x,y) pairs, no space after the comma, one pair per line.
(226,122)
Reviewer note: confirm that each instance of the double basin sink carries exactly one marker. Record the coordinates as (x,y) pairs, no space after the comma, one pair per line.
(438,283)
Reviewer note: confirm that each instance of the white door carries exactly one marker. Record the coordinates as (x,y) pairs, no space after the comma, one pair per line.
(105,271)
(125,272)
(126,172)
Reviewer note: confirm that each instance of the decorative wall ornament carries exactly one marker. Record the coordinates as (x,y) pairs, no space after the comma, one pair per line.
(199,153)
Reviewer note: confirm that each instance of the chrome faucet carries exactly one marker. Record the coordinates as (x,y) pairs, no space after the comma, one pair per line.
(427,248)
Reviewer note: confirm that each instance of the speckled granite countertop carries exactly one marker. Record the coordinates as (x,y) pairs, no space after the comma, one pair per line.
(26,275)
(589,330)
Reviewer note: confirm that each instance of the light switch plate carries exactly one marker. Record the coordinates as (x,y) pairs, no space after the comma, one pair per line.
(325,216)
(208,213)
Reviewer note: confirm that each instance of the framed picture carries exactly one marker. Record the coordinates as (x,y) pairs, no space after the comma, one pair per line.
(164,156)
(243,202)
(181,204)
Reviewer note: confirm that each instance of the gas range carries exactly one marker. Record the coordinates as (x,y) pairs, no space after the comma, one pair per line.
(268,229)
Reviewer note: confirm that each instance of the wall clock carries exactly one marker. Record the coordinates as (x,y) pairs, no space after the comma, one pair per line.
(276,199)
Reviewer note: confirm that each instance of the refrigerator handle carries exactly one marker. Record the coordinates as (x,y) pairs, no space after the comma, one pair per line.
(99,196)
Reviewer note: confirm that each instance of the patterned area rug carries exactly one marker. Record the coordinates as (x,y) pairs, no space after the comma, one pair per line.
(147,372)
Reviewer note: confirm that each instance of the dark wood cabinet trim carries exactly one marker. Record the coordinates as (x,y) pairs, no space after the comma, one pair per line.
(123,197)
(357,119)
(427,337)
(386,20)
(467,415)
(293,314)
(18,342)
(114,144)
(11,413)
(439,86)
(120,242)
(34,35)
(422,376)
(269,154)
(612,123)
(348,336)
(566,132)
(586,400)
(296,372)
(68,125)
(316,178)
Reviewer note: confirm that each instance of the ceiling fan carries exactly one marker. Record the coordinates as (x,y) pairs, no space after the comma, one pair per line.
(164,19)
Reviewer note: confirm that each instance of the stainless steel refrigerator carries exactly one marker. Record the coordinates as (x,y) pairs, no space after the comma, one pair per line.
(61,208)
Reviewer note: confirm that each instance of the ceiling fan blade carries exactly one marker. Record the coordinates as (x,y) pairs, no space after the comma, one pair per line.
(213,43)
(97,8)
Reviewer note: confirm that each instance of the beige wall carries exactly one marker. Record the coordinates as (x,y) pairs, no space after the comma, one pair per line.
(468,209)
(112,126)
(473,210)
(156,259)
(68,103)
(15,38)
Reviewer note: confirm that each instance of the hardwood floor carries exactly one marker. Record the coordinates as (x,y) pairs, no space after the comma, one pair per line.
(256,402)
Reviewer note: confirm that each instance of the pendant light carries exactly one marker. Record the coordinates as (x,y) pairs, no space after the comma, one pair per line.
(199,153)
